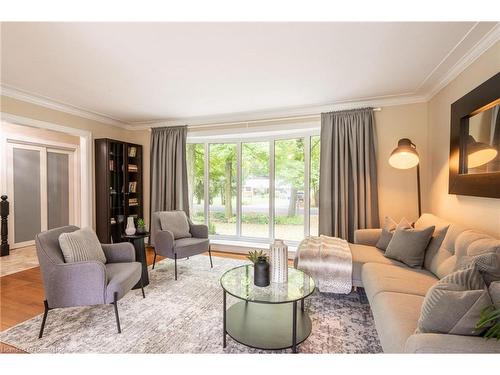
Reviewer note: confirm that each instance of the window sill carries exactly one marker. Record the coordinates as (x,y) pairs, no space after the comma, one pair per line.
(243,247)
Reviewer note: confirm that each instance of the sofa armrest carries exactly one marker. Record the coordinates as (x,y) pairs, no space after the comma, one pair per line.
(121,252)
(164,243)
(77,284)
(367,237)
(198,230)
(443,343)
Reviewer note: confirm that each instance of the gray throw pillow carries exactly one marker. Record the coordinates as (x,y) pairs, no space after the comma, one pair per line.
(80,246)
(454,304)
(176,222)
(408,246)
(388,230)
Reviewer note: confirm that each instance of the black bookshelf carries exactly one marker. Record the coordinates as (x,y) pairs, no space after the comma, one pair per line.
(118,187)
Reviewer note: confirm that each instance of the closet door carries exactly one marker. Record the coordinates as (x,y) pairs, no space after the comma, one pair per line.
(27,192)
(41,190)
(60,188)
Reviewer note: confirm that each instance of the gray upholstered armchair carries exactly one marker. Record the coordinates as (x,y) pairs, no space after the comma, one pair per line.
(85,283)
(165,243)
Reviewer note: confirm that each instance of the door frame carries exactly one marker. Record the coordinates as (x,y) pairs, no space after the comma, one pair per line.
(83,159)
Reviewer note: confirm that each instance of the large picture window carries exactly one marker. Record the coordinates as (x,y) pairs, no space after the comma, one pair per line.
(256,189)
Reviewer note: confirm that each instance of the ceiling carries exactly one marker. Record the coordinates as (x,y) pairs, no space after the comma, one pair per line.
(135,73)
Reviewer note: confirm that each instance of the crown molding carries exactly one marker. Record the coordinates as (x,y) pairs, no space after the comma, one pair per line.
(485,43)
(14,93)
(284,113)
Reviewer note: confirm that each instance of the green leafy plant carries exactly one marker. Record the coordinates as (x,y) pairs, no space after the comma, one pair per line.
(253,256)
(490,318)
(140,223)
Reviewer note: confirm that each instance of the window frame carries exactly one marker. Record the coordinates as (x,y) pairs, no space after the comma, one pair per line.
(239,140)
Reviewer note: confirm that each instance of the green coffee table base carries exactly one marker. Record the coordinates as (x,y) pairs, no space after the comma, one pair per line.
(267,326)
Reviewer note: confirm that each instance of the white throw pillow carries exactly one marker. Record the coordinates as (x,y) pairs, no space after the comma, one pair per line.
(80,246)
(176,222)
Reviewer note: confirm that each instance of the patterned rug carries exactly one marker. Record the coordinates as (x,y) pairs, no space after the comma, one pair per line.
(185,316)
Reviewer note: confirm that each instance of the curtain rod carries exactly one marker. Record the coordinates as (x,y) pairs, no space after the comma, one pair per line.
(246,123)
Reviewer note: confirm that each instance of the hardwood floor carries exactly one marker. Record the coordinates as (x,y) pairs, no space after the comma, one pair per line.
(22,295)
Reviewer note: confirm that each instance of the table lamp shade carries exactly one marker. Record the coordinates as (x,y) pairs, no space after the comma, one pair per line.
(404,156)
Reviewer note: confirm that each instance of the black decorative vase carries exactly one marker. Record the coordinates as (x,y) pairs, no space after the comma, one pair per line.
(140,230)
(261,272)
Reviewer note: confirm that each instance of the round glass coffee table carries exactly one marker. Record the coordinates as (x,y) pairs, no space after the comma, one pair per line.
(266,318)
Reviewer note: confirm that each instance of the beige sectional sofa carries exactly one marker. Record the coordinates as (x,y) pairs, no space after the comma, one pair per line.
(396,292)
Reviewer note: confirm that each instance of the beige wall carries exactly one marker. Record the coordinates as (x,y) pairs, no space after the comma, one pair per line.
(98,130)
(397,187)
(474,212)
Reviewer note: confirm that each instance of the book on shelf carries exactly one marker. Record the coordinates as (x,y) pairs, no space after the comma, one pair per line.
(133,202)
(132,152)
(132,168)
(111,165)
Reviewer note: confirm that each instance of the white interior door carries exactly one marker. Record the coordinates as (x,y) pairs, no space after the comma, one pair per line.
(41,189)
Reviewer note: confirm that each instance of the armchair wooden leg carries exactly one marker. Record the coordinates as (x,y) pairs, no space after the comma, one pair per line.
(115,303)
(46,311)
(154,260)
(210,256)
(175,265)
(142,288)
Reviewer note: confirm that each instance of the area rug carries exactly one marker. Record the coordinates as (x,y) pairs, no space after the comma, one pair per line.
(185,316)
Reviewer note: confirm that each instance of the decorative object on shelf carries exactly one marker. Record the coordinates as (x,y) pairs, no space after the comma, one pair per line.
(132,168)
(130,230)
(141,226)
(4,213)
(261,272)
(405,156)
(132,151)
(474,163)
(132,187)
(279,262)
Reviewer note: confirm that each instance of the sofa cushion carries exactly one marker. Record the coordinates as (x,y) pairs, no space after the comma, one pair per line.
(396,316)
(408,246)
(80,246)
(175,222)
(121,278)
(388,230)
(441,228)
(481,250)
(379,278)
(454,304)
(186,247)
(444,261)
(362,254)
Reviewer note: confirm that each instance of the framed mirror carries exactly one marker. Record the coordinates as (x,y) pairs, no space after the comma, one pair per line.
(475,142)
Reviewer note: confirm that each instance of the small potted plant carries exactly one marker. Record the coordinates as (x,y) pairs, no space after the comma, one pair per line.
(141,227)
(260,267)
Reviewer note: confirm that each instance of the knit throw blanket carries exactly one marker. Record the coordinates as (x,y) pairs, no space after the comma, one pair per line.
(328,260)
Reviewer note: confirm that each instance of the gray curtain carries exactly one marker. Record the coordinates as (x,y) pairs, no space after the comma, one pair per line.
(169,186)
(348,198)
